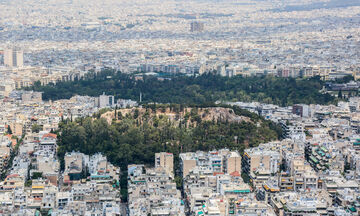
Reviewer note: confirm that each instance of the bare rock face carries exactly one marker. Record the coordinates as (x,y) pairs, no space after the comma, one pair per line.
(221,114)
(205,114)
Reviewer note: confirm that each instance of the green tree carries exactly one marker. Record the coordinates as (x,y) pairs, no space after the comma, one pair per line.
(136,113)
(340,95)
(35,128)
(36,175)
(9,131)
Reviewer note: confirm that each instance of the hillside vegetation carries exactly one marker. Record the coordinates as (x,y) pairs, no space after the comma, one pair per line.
(135,135)
(204,89)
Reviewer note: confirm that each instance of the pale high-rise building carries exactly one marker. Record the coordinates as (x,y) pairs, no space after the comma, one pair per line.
(106,101)
(14,58)
(165,160)
(197,27)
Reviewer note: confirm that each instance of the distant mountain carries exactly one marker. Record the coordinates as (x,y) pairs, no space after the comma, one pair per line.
(319,5)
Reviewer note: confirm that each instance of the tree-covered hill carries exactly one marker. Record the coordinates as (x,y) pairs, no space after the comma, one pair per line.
(136,135)
(203,89)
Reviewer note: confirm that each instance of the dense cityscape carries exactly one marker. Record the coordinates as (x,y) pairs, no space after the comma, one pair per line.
(179,107)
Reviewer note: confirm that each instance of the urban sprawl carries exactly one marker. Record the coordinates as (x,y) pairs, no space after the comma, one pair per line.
(313,170)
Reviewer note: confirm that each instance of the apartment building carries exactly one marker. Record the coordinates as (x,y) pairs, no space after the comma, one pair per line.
(222,161)
(165,160)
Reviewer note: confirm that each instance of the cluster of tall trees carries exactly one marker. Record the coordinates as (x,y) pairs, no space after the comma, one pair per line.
(203,89)
(135,137)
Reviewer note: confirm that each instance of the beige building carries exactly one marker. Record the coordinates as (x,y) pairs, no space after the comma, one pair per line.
(6,87)
(74,163)
(299,165)
(216,162)
(165,160)
(13,181)
(31,96)
(187,164)
(16,128)
(14,58)
(256,159)
(233,163)
(47,165)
